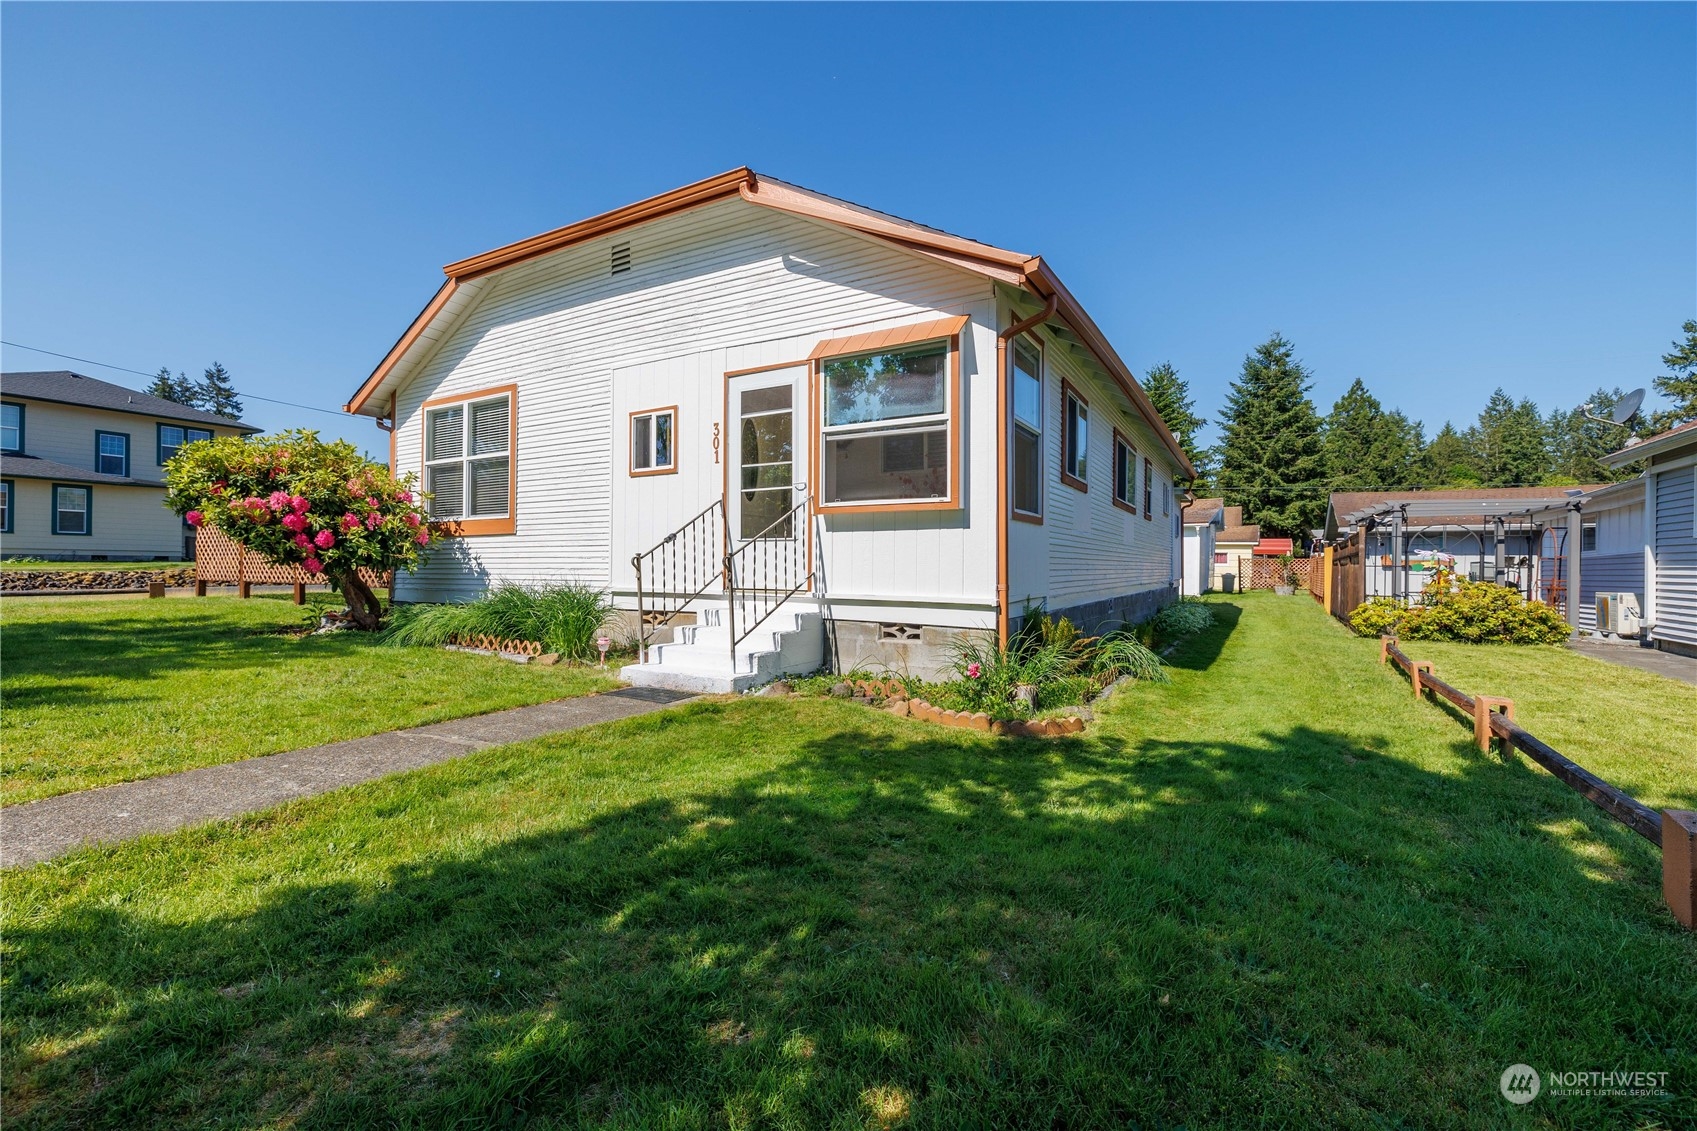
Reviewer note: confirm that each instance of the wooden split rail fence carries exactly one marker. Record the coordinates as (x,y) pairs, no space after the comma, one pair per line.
(1674,831)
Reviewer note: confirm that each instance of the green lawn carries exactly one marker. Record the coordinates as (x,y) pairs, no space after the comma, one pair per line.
(1276,892)
(98,691)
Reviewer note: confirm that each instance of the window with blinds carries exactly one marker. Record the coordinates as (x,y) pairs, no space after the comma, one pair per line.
(468,457)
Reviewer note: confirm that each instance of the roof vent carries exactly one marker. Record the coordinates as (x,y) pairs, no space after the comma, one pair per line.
(621,258)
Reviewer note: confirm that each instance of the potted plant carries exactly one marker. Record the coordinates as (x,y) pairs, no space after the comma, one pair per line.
(1287,575)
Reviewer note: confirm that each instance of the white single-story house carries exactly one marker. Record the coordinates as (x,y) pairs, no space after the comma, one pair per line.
(1608,557)
(1204,519)
(781,427)
(82,468)
(1667,500)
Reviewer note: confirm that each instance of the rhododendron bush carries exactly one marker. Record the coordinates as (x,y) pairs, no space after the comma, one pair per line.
(297,501)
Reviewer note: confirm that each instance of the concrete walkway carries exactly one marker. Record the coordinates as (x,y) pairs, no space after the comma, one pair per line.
(41,830)
(1670,664)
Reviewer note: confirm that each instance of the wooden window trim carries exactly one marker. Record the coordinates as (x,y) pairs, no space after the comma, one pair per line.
(816,426)
(19,450)
(53,511)
(472,527)
(98,433)
(1120,441)
(1035,518)
(1148,488)
(1068,389)
(11,487)
(630,423)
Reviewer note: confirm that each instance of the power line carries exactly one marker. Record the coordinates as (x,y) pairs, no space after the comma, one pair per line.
(139,373)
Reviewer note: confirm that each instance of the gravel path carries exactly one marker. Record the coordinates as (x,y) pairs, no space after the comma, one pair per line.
(41,830)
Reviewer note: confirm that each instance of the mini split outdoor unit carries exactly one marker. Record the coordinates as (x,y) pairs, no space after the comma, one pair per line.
(1618,613)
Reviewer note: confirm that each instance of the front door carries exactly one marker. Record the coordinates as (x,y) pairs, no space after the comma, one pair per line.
(769,454)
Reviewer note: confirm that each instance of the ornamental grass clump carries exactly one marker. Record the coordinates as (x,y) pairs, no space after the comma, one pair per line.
(1048,664)
(565,618)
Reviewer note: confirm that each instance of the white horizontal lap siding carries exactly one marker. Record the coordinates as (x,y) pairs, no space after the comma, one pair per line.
(1676,555)
(707,291)
(1095,550)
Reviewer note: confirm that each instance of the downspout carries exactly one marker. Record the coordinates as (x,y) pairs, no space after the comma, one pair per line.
(1004,507)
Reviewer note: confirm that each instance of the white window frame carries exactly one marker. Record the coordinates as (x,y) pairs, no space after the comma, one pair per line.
(1075,464)
(1128,501)
(87,510)
(190,436)
(466,457)
(17,446)
(654,466)
(1034,428)
(895,426)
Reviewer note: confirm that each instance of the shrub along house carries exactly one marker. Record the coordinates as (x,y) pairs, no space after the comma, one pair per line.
(82,468)
(774,422)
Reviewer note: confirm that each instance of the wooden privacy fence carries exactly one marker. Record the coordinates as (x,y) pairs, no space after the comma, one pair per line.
(1674,831)
(1348,577)
(220,561)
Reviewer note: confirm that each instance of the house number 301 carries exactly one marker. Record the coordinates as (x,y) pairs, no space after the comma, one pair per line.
(715,441)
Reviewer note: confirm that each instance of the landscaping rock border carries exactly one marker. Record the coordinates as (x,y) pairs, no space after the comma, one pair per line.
(91,580)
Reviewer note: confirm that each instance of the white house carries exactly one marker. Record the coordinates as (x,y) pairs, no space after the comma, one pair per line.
(82,468)
(1668,543)
(778,424)
(1204,519)
(1608,557)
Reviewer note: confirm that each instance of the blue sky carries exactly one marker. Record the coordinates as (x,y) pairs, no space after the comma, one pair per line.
(1437,199)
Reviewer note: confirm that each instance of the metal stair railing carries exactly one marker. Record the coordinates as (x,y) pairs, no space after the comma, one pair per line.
(678,570)
(765,571)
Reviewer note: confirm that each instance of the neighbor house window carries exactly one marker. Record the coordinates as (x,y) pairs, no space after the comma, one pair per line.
(468,461)
(653,441)
(174,436)
(70,509)
(5,506)
(1027,428)
(12,428)
(112,453)
(1219,557)
(1125,474)
(1148,489)
(886,432)
(1166,498)
(1075,437)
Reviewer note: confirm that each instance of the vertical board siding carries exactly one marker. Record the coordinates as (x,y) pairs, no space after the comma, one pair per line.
(1676,555)
(726,286)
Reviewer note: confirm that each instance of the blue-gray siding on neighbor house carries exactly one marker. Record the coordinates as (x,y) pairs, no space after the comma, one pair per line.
(1608,573)
(1675,612)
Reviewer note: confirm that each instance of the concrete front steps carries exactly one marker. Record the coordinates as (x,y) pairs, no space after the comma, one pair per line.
(789,642)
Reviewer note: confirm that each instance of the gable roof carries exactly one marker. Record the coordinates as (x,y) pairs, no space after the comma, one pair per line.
(1676,437)
(1236,529)
(1076,329)
(1202,512)
(61,386)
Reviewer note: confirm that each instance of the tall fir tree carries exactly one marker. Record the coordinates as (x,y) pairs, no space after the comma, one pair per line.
(1508,443)
(1170,394)
(218,392)
(1272,457)
(178,389)
(1449,460)
(1680,385)
(1576,441)
(1368,448)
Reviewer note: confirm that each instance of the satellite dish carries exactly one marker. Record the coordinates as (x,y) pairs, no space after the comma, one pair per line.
(1623,411)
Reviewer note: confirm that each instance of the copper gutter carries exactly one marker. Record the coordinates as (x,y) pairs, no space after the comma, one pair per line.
(1003,440)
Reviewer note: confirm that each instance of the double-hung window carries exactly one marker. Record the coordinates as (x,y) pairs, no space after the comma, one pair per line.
(1148,489)
(112,453)
(5,506)
(1125,473)
(173,436)
(11,428)
(71,509)
(468,462)
(653,441)
(887,426)
(1075,437)
(1166,498)
(1027,429)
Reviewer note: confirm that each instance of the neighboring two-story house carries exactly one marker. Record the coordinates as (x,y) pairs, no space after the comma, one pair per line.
(82,468)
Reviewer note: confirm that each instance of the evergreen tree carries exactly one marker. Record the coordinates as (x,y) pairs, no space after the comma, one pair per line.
(1366,447)
(1170,394)
(1576,442)
(1272,456)
(1449,460)
(178,389)
(218,392)
(1508,443)
(1681,385)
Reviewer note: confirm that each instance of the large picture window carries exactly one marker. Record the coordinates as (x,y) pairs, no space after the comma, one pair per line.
(112,453)
(173,436)
(887,426)
(11,427)
(1075,437)
(71,507)
(653,441)
(468,461)
(1125,474)
(1027,429)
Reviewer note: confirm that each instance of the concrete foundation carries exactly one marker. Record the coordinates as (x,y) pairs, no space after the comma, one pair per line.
(855,644)
(1098,617)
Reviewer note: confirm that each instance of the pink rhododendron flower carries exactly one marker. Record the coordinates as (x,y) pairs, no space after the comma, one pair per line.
(325,540)
(300,504)
(371,500)
(278,500)
(973,671)
(350,521)
(313,565)
(424,537)
(194,518)
(405,496)
(303,541)
(294,522)
(412,519)
(371,521)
